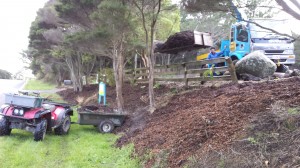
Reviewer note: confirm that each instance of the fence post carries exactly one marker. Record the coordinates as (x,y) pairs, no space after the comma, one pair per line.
(231,69)
(185,75)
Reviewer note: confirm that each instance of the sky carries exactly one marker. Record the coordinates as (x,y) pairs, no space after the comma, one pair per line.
(15,18)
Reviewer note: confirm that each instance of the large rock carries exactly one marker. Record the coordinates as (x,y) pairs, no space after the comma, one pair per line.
(256,64)
(296,72)
(248,77)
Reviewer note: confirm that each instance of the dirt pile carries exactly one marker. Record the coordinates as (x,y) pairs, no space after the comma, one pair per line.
(208,119)
(180,41)
(271,140)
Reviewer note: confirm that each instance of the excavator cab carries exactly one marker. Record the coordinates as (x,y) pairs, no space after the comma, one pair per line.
(239,41)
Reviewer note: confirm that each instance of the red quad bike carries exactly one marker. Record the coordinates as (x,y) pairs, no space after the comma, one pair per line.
(34,114)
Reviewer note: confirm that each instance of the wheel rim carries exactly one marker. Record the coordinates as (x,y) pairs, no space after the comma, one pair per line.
(66,124)
(106,127)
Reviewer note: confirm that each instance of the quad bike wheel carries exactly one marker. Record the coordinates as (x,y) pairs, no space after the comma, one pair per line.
(40,130)
(64,128)
(4,127)
(106,126)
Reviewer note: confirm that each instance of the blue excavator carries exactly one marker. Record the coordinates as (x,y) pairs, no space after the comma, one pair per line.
(251,35)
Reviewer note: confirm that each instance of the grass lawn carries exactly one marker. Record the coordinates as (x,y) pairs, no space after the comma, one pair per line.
(83,147)
(38,85)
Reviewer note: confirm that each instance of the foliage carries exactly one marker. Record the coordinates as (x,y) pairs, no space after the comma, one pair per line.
(42,63)
(108,75)
(209,72)
(157,85)
(257,8)
(5,74)
(205,5)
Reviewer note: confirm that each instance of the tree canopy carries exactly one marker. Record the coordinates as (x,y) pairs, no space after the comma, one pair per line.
(5,74)
(71,38)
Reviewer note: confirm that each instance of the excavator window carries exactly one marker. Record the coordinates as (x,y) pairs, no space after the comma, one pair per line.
(242,34)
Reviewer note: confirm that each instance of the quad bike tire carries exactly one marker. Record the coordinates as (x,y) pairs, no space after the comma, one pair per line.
(40,130)
(4,127)
(106,126)
(64,128)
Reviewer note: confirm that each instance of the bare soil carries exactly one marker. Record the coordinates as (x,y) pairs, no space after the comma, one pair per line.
(195,122)
(208,119)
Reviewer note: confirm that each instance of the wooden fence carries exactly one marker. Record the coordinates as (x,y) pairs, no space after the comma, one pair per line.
(185,72)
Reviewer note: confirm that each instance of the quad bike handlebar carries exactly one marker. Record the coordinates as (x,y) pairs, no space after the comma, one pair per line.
(28,94)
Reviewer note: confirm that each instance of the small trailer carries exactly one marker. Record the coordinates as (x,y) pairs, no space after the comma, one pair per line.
(105,120)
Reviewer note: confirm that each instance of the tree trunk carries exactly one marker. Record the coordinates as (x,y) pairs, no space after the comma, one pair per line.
(118,65)
(145,59)
(151,72)
(74,65)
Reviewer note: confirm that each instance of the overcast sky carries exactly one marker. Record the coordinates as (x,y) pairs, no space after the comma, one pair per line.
(16,17)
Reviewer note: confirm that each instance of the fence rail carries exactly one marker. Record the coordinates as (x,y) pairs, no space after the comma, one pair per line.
(186,72)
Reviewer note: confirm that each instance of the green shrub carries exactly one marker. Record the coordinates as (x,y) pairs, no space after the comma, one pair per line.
(109,74)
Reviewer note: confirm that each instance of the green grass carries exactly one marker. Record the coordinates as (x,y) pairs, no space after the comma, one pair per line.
(53,96)
(38,85)
(82,147)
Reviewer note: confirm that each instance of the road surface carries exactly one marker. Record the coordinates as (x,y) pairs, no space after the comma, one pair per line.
(9,86)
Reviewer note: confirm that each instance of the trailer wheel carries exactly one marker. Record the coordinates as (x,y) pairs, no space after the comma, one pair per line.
(106,126)
(4,127)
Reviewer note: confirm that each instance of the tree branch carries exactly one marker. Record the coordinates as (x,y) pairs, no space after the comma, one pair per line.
(287,9)
(272,30)
(296,3)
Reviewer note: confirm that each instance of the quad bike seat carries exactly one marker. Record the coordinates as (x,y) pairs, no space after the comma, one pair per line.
(50,107)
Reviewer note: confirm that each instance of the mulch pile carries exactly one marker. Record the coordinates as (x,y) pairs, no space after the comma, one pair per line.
(181,41)
(208,118)
(97,109)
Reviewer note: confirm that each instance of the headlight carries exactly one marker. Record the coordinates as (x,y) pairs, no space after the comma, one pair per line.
(21,112)
(16,111)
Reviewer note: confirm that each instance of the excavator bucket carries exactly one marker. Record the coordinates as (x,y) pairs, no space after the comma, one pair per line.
(203,39)
(185,41)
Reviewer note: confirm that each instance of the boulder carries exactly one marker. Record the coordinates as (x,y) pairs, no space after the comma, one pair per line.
(281,75)
(256,64)
(248,77)
(296,72)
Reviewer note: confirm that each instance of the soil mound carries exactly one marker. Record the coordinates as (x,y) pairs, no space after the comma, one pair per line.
(208,118)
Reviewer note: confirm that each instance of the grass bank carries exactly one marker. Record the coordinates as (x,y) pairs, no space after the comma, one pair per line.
(82,147)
